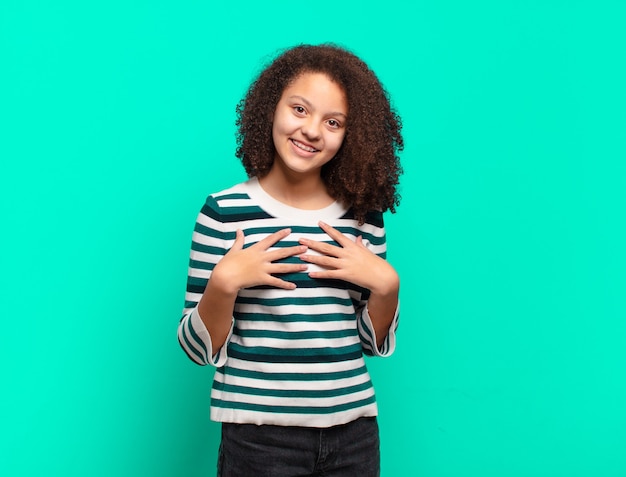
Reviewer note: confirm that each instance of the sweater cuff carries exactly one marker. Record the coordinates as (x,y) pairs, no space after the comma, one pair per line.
(389,344)
(218,359)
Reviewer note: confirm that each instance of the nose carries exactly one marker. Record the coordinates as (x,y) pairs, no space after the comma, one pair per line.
(311,129)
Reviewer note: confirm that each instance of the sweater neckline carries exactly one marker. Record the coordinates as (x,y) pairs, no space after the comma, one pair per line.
(279,209)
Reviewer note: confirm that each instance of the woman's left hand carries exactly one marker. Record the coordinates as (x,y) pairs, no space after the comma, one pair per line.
(351,262)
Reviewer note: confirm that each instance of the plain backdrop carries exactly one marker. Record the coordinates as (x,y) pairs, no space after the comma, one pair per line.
(117,120)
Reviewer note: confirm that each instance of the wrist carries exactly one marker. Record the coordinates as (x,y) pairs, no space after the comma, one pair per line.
(219,283)
(388,284)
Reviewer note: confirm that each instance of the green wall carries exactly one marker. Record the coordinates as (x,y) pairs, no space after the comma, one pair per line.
(116,122)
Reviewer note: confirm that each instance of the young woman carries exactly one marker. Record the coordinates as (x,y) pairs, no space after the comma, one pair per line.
(288,284)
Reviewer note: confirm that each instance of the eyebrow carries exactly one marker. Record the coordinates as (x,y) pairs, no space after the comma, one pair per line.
(308,103)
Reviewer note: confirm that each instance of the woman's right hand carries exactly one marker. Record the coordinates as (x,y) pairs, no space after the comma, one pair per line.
(253,266)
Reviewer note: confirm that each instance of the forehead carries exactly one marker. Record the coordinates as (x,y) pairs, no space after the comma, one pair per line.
(318,89)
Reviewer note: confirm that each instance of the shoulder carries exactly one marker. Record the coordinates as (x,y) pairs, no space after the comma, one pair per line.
(372,230)
(373,219)
(234,204)
(238,191)
(222,198)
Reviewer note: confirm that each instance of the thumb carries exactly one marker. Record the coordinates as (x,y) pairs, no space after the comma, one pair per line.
(239,240)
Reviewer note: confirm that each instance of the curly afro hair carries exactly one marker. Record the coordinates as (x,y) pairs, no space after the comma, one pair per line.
(364,173)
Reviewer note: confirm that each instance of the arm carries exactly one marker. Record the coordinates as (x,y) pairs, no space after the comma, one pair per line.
(382,304)
(353,262)
(243,268)
(215,277)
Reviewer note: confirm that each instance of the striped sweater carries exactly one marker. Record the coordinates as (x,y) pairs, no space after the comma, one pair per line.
(292,357)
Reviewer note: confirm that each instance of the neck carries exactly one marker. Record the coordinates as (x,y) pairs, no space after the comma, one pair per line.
(303,191)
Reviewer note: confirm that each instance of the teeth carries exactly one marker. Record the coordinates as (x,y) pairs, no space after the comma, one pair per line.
(303,147)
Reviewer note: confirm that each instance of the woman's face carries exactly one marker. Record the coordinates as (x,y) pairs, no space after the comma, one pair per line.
(309,123)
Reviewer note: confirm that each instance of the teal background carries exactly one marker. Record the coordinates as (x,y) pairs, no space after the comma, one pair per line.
(117,119)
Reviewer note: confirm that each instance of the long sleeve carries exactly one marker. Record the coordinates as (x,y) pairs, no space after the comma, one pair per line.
(292,357)
(208,246)
(376,242)
(368,336)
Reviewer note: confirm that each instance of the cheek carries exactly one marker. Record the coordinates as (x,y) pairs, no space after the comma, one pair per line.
(283,124)
(336,141)
(279,129)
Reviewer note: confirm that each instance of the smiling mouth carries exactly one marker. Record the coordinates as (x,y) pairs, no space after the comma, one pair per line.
(304,147)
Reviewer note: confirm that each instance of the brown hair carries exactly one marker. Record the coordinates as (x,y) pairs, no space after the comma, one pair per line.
(364,173)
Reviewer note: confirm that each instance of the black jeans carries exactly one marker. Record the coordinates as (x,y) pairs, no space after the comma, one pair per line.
(248,450)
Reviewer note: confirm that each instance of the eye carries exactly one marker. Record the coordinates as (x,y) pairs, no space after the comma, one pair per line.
(299,110)
(333,123)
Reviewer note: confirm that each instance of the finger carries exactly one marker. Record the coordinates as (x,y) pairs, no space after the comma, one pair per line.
(322,260)
(276,268)
(278,283)
(271,239)
(281,253)
(322,247)
(328,274)
(239,240)
(333,233)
